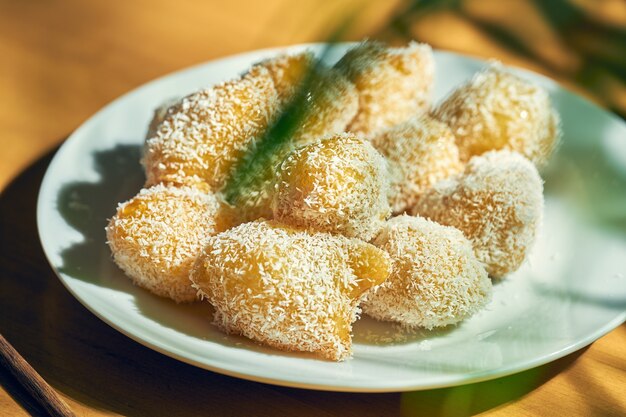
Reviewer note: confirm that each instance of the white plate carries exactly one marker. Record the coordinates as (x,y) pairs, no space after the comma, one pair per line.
(570,292)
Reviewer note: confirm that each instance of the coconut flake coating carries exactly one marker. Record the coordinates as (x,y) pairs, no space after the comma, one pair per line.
(155,237)
(499,110)
(435,279)
(497,202)
(287,72)
(158,116)
(333,104)
(420,152)
(328,101)
(338,185)
(291,289)
(393,83)
(205,133)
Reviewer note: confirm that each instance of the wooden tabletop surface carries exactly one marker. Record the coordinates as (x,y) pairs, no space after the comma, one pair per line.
(61,62)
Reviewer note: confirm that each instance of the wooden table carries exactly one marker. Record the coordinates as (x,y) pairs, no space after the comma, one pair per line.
(62,61)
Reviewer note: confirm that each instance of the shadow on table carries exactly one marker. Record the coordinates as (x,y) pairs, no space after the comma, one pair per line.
(93,364)
(471,399)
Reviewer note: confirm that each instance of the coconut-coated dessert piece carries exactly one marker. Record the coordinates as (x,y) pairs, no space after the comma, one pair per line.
(497,202)
(289,288)
(435,278)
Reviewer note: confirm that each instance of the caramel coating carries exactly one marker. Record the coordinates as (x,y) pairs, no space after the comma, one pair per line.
(435,279)
(288,288)
(497,202)
(393,83)
(420,152)
(205,133)
(155,237)
(338,185)
(499,110)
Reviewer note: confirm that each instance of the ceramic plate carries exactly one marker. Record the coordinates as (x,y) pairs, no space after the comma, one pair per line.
(570,292)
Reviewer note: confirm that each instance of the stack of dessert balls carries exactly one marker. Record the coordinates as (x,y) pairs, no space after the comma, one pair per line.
(377,201)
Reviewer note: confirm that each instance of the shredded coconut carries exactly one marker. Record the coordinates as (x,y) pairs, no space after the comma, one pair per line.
(499,110)
(393,83)
(339,185)
(420,152)
(497,202)
(436,279)
(156,236)
(330,101)
(288,288)
(205,133)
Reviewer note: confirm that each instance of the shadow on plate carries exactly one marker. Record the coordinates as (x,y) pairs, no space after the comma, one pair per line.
(369,331)
(87,206)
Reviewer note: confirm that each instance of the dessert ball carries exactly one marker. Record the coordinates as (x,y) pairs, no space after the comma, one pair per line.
(155,237)
(317,101)
(158,115)
(500,110)
(497,202)
(420,152)
(339,185)
(435,277)
(288,288)
(393,83)
(205,133)
(288,71)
